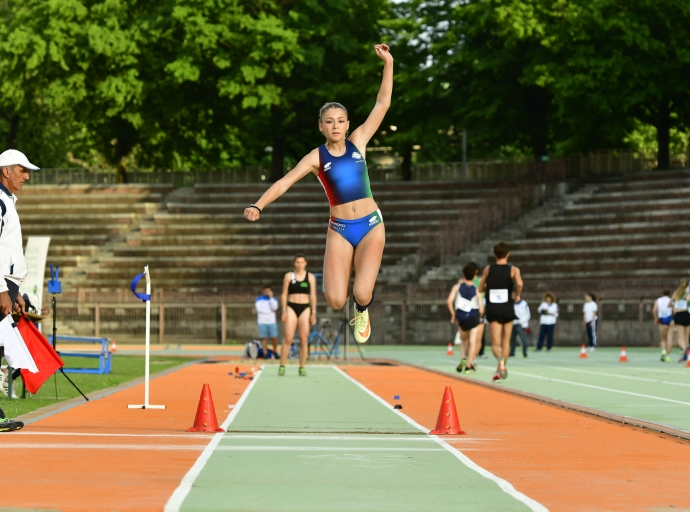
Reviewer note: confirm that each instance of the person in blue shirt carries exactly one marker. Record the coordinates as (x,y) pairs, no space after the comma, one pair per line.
(266,306)
(356,233)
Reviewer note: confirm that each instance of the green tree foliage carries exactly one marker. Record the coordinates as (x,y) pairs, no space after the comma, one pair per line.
(211,83)
(166,82)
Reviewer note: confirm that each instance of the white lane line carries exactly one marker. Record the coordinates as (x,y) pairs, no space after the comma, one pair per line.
(601,388)
(669,368)
(630,377)
(87,434)
(296,436)
(201,447)
(502,484)
(175,501)
(323,449)
(99,446)
(354,437)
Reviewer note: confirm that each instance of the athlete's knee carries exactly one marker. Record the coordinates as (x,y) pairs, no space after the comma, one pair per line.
(363,296)
(336,301)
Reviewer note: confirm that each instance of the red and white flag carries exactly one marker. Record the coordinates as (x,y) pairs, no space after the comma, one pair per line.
(46,359)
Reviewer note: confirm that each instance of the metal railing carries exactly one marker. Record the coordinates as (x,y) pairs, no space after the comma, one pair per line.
(396,320)
(578,166)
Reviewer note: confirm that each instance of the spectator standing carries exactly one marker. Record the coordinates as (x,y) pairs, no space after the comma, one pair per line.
(14,171)
(590,313)
(520,327)
(663,317)
(266,306)
(548,315)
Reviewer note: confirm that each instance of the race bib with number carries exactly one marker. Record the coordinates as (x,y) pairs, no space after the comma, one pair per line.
(498,296)
(681,304)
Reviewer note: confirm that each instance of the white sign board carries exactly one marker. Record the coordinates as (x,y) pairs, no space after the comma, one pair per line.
(36,254)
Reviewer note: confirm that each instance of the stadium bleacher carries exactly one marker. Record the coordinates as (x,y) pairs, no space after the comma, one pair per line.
(196,238)
(200,240)
(622,231)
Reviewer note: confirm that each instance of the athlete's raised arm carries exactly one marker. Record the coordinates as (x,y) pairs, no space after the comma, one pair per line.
(361,136)
(309,163)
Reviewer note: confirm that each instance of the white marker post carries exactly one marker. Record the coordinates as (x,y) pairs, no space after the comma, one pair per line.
(146,298)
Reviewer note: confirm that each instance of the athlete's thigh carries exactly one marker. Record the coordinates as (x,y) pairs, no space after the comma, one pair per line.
(368,256)
(337,268)
(303,324)
(290,324)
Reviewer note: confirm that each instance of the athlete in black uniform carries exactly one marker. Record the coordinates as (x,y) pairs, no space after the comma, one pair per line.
(298,301)
(503,285)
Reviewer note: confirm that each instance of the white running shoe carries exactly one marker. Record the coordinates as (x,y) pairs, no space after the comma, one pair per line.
(362,326)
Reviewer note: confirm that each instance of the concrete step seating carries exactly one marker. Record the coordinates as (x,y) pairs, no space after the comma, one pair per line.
(631,229)
(80,219)
(202,241)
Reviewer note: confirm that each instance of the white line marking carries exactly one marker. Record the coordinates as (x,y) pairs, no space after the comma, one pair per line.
(175,501)
(502,484)
(296,436)
(601,388)
(323,449)
(87,434)
(643,379)
(97,446)
(353,437)
(671,368)
(201,447)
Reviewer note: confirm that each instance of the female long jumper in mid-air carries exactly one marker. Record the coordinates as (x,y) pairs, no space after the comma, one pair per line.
(356,231)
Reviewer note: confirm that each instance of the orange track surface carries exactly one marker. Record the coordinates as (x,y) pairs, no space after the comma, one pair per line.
(122,473)
(565,460)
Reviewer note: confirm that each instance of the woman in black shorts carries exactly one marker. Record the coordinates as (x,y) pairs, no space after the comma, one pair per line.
(298,301)
(680,301)
(502,284)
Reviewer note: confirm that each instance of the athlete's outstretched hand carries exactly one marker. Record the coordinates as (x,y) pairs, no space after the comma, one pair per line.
(383,52)
(251,214)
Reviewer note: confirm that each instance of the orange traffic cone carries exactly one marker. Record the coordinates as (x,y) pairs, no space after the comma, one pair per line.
(205,420)
(447,422)
(113,347)
(583,352)
(624,356)
(449,352)
(687,365)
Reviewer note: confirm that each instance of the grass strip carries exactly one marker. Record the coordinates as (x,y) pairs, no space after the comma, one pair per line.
(124,369)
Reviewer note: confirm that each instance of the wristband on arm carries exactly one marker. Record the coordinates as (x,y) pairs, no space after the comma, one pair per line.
(254,206)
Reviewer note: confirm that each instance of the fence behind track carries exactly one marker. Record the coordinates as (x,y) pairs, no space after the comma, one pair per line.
(395,321)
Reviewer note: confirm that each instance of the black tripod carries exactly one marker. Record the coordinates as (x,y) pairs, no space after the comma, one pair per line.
(54,305)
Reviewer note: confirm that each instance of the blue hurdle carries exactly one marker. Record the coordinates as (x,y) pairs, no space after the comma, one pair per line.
(104,357)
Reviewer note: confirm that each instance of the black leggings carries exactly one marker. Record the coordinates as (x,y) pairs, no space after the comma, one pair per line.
(298,308)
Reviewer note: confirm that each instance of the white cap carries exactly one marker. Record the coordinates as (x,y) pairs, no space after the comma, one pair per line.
(14,157)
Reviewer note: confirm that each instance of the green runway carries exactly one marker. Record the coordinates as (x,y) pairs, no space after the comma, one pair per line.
(316,444)
(643,388)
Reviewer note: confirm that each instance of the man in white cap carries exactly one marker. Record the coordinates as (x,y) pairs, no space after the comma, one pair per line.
(14,171)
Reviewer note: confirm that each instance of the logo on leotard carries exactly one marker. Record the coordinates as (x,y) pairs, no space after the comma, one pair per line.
(356,156)
(327,166)
(373,220)
(337,225)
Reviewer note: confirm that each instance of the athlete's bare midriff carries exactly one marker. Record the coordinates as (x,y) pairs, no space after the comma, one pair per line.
(354,209)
